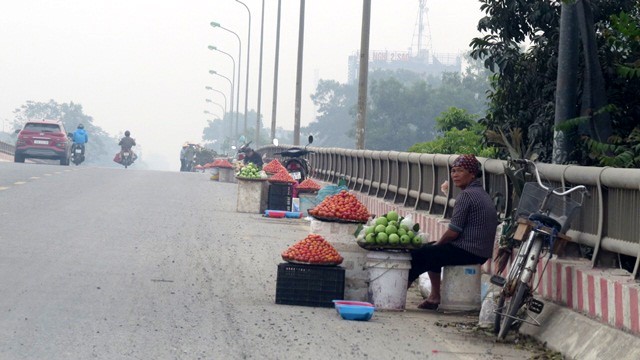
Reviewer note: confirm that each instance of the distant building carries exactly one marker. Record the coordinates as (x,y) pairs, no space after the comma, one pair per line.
(419,58)
(424,65)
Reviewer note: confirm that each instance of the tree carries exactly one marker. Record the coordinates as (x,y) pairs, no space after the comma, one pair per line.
(101,145)
(403,106)
(454,118)
(522,98)
(461,134)
(336,113)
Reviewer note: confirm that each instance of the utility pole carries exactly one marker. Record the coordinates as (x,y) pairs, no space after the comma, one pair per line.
(363,75)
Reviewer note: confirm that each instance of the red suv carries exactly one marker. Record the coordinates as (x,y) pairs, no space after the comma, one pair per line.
(43,139)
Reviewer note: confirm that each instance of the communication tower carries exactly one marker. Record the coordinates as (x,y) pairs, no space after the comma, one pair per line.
(421,41)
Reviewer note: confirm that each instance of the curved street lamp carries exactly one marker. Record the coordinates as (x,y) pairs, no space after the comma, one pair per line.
(221,93)
(224,110)
(213,72)
(225,106)
(246,89)
(217,25)
(212,48)
(210,113)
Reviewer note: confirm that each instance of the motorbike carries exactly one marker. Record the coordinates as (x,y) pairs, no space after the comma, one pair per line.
(77,153)
(295,163)
(242,151)
(127,158)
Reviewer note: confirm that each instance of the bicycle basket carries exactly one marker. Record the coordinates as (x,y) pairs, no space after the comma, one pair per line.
(560,208)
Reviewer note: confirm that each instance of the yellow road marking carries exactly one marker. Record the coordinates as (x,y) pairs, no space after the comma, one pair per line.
(19,183)
(3,188)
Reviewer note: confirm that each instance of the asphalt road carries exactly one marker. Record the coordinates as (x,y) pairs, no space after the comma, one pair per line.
(130,264)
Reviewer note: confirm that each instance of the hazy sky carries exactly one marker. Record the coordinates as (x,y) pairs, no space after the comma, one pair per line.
(143,65)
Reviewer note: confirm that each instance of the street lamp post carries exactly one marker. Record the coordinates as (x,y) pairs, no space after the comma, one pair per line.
(258,123)
(274,107)
(213,72)
(224,110)
(212,48)
(215,24)
(221,93)
(298,113)
(246,89)
(210,113)
(363,75)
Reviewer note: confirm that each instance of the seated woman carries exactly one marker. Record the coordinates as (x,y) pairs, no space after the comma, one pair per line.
(471,233)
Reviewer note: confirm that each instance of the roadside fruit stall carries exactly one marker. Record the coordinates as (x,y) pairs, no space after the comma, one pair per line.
(310,275)
(337,218)
(280,191)
(389,239)
(225,170)
(307,193)
(252,190)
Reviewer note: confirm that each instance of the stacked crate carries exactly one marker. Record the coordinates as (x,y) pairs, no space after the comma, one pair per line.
(280,196)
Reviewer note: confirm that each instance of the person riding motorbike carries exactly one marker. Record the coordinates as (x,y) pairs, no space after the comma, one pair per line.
(80,137)
(187,157)
(126,143)
(252,156)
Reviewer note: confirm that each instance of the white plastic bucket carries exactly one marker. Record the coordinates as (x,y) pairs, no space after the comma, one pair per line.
(460,288)
(388,277)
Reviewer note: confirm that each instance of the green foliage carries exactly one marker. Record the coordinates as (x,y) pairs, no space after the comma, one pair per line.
(620,152)
(623,148)
(402,107)
(455,141)
(454,118)
(521,109)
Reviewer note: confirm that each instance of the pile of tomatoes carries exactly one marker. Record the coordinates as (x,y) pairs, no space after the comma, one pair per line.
(308,185)
(282,176)
(273,167)
(313,249)
(341,206)
(222,163)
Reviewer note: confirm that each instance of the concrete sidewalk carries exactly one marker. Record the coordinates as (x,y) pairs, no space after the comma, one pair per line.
(611,330)
(578,337)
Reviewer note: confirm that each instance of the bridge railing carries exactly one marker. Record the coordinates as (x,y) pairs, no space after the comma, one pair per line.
(608,220)
(6,148)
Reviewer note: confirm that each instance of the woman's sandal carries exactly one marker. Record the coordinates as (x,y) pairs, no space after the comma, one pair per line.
(428,305)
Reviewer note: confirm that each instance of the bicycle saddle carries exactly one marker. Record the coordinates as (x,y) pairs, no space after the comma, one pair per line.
(546,221)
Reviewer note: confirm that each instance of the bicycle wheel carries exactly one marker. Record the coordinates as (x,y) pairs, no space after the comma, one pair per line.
(515,304)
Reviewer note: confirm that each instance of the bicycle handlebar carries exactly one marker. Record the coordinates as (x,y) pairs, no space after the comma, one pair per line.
(559,193)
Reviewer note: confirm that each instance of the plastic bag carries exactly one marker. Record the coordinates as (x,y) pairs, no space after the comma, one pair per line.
(487,311)
(328,191)
(424,283)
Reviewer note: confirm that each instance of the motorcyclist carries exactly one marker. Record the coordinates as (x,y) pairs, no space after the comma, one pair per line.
(126,143)
(183,156)
(187,156)
(80,137)
(253,157)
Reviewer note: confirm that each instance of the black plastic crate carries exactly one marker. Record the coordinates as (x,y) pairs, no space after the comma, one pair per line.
(279,203)
(281,189)
(309,285)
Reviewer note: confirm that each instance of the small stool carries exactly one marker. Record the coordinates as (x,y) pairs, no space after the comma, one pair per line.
(460,288)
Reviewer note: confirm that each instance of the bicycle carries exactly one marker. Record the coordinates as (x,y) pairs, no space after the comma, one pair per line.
(545,213)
